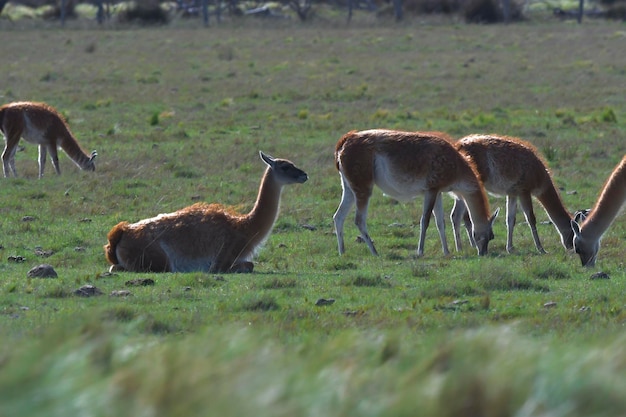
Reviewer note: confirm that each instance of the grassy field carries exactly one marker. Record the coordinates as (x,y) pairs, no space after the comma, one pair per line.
(178,115)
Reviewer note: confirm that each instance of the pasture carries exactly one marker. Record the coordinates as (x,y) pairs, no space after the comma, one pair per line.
(178,115)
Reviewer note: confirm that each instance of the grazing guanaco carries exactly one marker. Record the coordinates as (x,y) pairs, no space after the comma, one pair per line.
(513,167)
(587,235)
(405,165)
(203,237)
(40,124)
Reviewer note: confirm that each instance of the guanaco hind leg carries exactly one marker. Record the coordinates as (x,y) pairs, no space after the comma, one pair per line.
(432,203)
(339,218)
(348,199)
(527,207)
(440,222)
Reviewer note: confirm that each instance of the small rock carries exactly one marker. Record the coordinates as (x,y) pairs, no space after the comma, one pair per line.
(550,304)
(42,271)
(139,282)
(79,249)
(324,301)
(584,308)
(16,258)
(309,227)
(85,220)
(28,218)
(87,291)
(599,275)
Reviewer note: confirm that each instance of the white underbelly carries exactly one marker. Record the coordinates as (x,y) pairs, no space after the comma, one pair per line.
(32,134)
(396,184)
(181,263)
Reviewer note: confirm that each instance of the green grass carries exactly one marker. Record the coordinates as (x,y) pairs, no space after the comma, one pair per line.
(178,115)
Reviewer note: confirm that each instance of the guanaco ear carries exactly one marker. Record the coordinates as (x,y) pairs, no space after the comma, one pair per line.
(581,215)
(266,158)
(575,228)
(493,217)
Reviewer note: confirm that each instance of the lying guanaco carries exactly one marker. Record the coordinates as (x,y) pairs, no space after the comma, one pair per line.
(203,237)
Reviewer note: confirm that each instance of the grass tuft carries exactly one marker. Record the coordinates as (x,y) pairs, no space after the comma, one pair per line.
(369,281)
(278,283)
(120,313)
(259,303)
(58,291)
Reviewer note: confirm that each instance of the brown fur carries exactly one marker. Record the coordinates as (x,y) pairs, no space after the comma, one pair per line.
(587,235)
(114,237)
(513,167)
(203,237)
(404,165)
(42,125)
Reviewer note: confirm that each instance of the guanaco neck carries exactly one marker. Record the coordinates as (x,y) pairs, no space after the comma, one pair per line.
(608,205)
(551,202)
(261,219)
(73,150)
(477,205)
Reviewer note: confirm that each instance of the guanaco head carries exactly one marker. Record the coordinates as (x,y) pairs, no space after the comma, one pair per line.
(284,171)
(581,215)
(586,248)
(484,235)
(90,165)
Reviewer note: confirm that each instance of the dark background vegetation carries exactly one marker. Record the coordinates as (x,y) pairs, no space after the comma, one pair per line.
(470,11)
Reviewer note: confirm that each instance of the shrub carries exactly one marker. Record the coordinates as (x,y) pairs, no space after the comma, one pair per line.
(617,10)
(432,6)
(146,12)
(489,11)
(54,13)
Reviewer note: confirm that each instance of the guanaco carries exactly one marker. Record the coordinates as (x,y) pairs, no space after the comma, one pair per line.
(203,237)
(513,167)
(39,124)
(589,231)
(405,165)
